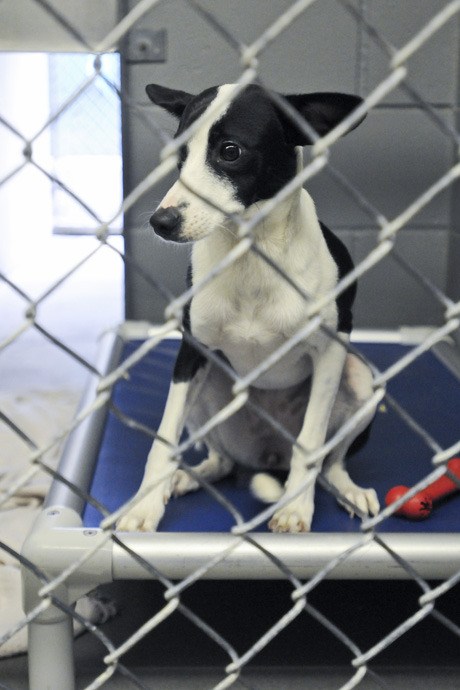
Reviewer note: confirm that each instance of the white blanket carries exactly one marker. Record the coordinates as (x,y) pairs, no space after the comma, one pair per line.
(42,415)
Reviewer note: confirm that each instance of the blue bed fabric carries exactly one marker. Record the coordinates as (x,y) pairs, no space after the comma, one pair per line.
(393,455)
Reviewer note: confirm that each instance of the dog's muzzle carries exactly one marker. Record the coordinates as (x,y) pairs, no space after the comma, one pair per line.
(167,223)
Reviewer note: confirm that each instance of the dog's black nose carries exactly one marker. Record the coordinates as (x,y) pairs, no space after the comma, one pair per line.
(167,222)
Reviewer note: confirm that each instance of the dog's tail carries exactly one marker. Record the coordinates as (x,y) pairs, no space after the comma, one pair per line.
(266,488)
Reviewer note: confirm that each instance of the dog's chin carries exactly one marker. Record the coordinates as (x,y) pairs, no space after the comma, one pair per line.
(183,234)
(176,236)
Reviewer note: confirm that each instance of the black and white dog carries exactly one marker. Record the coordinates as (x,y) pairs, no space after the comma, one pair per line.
(242,154)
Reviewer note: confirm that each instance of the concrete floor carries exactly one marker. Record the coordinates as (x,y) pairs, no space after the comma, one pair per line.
(178,657)
(12,675)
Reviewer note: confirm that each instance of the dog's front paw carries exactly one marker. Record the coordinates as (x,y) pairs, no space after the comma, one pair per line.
(361,501)
(295,517)
(144,516)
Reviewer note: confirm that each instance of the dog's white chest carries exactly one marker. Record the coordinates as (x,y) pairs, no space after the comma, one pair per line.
(248,316)
(247,337)
(250,310)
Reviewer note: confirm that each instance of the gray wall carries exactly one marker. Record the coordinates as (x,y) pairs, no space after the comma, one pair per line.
(392,158)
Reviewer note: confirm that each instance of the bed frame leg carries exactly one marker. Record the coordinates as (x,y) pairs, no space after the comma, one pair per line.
(51,659)
(56,541)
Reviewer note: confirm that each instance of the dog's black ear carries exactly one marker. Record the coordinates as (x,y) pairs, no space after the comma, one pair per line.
(323,111)
(172,100)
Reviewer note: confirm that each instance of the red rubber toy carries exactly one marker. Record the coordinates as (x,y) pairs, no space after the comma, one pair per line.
(420,506)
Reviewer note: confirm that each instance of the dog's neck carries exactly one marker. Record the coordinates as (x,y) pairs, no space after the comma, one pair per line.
(293,219)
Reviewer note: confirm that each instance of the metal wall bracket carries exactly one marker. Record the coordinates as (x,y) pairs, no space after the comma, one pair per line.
(145,45)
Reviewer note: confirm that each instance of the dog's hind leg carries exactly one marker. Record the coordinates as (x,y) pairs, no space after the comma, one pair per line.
(213,468)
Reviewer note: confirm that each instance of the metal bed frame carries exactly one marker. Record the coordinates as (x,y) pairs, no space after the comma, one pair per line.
(64,560)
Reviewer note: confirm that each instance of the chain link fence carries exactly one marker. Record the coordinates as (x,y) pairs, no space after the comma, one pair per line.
(63,561)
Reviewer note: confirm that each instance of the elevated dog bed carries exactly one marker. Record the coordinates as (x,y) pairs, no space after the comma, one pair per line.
(427,389)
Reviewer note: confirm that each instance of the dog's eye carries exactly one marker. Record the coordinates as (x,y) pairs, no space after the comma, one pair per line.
(229,151)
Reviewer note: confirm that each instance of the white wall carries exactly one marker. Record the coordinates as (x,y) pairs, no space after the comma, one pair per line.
(25,199)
